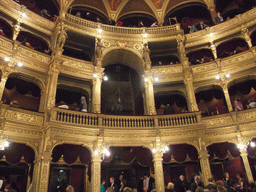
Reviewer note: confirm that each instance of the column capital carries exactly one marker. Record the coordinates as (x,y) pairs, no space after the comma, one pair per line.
(188,76)
(203,154)
(54,67)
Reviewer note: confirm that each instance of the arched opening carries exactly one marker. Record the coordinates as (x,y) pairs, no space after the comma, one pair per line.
(200,56)
(33,42)
(22,94)
(211,102)
(225,157)
(16,166)
(181,159)
(232,47)
(70,98)
(70,166)
(5,29)
(170,104)
(131,162)
(242,94)
(189,14)
(122,92)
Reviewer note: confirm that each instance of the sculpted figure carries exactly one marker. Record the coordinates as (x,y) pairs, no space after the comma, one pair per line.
(146,53)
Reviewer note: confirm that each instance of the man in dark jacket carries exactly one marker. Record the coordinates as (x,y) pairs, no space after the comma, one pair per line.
(180,185)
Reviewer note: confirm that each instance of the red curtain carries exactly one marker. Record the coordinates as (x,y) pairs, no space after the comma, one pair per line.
(71,153)
(221,150)
(128,155)
(16,151)
(180,152)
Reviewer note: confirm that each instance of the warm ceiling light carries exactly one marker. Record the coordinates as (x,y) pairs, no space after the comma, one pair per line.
(19,64)
(217,77)
(145,34)
(105,78)
(99,30)
(240,146)
(23,14)
(7,59)
(154,150)
(146,79)
(252,144)
(94,75)
(211,34)
(156,79)
(228,75)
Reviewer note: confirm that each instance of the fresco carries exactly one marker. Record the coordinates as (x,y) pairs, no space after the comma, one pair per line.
(158,3)
(114,4)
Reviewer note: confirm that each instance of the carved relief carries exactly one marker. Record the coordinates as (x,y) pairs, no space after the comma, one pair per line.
(24,117)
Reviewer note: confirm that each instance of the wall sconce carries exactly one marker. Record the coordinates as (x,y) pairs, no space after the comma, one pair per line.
(99,30)
(161,148)
(13,63)
(145,34)
(146,79)
(103,151)
(242,146)
(222,76)
(105,78)
(3,143)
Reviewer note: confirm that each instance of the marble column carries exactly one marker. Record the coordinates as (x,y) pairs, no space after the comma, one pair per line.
(188,80)
(159,174)
(96,90)
(149,95)
(42,172)
(96,172)
(205,165)
(227,97)
(52,82)
(246,165)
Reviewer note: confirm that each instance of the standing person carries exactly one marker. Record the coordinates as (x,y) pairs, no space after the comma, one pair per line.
(140,24)
(102,187)
(196,183)
(122,185)
(227,181)
(192,28)
(147,183)
(180,185)
(202,25)
(113,185)
(44,13)
(83,104)
(218,19)
(211,185)
(238,104)
(170,187)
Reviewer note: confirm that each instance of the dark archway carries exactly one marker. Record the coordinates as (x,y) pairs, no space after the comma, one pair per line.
(200,56)
(231,47)
(6,29)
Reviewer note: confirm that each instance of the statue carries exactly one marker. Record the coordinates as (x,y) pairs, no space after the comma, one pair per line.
(146,53)
(98,48)
(61,37)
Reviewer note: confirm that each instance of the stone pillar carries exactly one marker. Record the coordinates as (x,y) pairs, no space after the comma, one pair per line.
(96,172)
(188,80)
(41,173)
(159,174)
(96,89)
(2,83)
(245,33)
(246,165)
(214,50)
(205,166)
(149,94)
(227,97)
(51,85)
(181,50)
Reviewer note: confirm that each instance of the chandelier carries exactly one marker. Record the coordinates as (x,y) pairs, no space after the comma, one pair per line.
(3,143)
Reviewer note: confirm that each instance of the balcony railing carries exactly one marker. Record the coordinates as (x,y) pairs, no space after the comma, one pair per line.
(112,121)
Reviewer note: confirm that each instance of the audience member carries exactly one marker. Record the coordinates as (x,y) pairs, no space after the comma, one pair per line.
(211,185)
(119,23)
(127,189)
(109,189)
(202,25)
(47,51)
(221,188)
(171,63)
(168,110)
(28,45)
(2,31)
(155,24)
(227,181)
(140,24)
(192,28)
(238,104)
(196,183)
(218,19)
(170,187)
(78,14)
(98,20)
(88,15)
(70,189)
(63,105)
(122,185)
(180,185)
(44,13)
(102,186)
(199,189)
(160,63)
(113,185)
(111,22)
(252,103)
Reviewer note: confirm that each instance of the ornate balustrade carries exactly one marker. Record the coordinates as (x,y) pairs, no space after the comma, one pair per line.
(112,121)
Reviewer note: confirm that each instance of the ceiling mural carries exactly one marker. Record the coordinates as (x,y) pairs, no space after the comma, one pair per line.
(158,3)
(114,4)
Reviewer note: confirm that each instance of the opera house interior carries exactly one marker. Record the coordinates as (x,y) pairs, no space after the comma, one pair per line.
(94,89)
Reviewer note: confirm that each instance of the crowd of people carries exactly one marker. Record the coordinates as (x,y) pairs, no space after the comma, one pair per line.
(238,105)
(82,107)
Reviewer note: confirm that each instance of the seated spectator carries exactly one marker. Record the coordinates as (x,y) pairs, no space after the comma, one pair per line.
(111,22)
(177,62)
(202,60)
(44,13)
(168,110)
(88,15)
(70,189)
(47,51)
(218,19)
(202,25)
(159,63)
(78,14)
(170,187)
(98,20)
(155,24)
(192,28)
(53,18)
(238,104)
(252,103)
(171,63)
(228,18)
(1,31)
(28,45)
(140,24)
(119,23)
(63,105)
(211,185)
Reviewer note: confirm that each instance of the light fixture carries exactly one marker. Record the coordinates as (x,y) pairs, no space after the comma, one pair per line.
(211,35)
(95,75)
(217,76)
(12,62)
(99,30)
(3,143)
(154,150)
(227,75)
(161,148)
(19,64)
(156,79)
(103,151)
(7,59)
(145,35)
(240,146)
(105,78)
(252,144)
(23,14)
(146,79)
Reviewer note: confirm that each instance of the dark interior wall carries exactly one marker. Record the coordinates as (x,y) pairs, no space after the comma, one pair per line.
(77,178)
